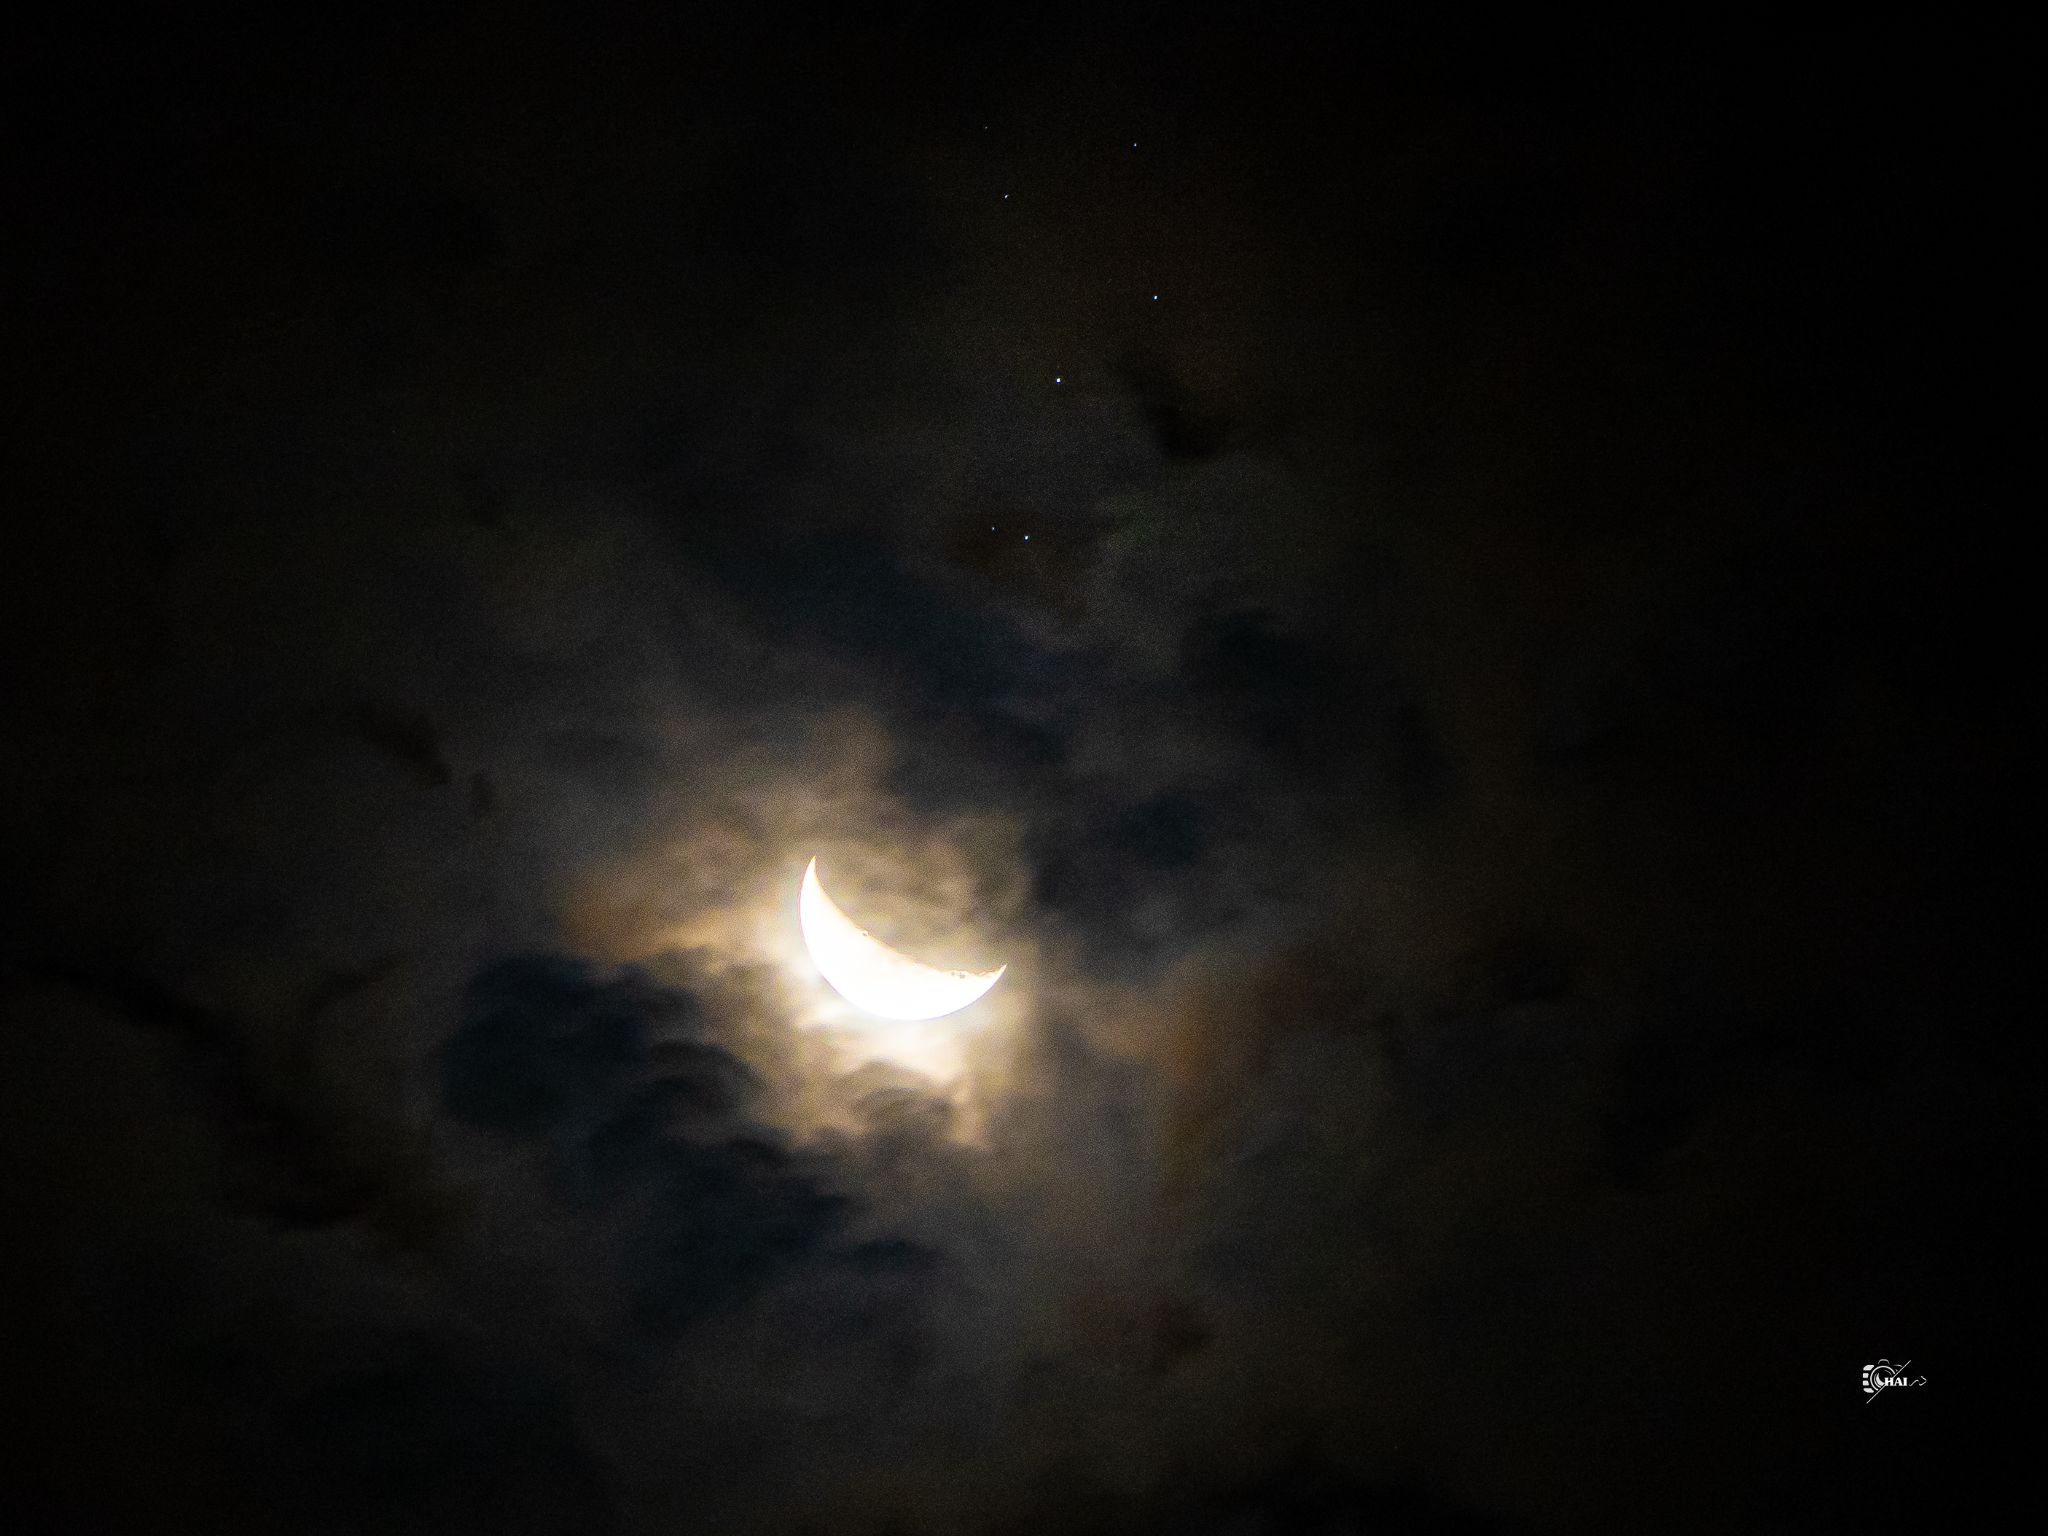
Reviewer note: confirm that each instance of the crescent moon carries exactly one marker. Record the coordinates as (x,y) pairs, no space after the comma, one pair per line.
(872,976)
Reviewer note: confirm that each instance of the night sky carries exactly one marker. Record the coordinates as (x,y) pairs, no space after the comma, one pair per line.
(1428,599)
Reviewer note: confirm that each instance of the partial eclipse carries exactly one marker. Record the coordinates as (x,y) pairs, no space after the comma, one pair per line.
(872,976)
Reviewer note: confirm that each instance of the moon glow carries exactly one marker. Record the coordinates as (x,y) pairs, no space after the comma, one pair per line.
(872,976)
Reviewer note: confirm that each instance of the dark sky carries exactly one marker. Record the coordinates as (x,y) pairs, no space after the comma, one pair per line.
(1423,596)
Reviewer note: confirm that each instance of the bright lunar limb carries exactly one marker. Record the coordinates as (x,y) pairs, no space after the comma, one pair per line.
(872,976)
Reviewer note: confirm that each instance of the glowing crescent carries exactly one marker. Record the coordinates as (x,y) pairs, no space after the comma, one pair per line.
(872,976)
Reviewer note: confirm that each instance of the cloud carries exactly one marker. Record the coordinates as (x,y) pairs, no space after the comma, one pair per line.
(614,1077)
(1315,706)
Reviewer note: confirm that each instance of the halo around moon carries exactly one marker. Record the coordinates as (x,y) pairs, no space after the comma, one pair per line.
(872,976)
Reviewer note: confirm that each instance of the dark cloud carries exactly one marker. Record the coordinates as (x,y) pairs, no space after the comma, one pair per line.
(641,1115)
(544,1039)
(1130,879)
(407,736)
(730,1216)
(278,1159)
(851,595)
(1312,705)
(1181,425)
